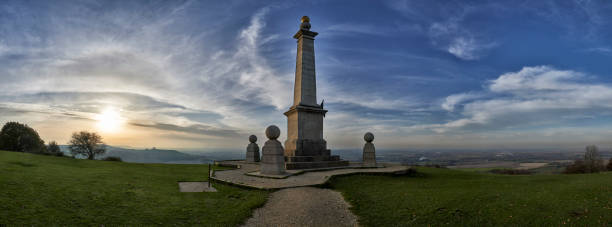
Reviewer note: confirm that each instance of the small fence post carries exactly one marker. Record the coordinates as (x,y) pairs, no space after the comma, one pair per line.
(209,175)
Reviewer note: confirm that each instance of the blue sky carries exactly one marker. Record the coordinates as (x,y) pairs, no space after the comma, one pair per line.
(206,74)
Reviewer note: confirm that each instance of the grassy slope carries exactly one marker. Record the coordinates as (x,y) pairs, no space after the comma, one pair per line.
(453,197)
(37,189)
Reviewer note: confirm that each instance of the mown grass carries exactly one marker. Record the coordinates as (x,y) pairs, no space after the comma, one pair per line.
(46,190)
(463,198)
(480,170)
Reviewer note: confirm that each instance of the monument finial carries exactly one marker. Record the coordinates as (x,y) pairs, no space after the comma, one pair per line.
(305,23)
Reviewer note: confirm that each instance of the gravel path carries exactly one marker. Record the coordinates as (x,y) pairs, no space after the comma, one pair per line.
(304,206)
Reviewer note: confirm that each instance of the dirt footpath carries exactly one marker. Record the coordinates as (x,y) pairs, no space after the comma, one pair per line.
(304,206)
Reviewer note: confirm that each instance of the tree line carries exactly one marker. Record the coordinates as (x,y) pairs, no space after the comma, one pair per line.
(18,137)
(591,163)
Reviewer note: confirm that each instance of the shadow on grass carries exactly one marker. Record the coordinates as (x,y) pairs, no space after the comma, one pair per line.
(411,172)
(22,164)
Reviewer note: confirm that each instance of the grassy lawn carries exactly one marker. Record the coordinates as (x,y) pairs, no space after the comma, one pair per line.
(549,169)
(454,197)
(41,190)
(480,170)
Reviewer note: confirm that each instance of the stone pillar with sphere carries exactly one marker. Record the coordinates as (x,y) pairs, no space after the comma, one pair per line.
(273,158)
(252,154)
(369,152)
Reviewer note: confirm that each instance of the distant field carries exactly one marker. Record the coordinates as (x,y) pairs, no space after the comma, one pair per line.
(464,198)
(488,165)
(42,190)
(531,165)
(534,167)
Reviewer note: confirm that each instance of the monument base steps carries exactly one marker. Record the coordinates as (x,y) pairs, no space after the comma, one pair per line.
(312,158)
(315,164)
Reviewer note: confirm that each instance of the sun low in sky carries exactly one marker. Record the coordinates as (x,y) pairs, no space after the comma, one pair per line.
(109,121)
(205,75)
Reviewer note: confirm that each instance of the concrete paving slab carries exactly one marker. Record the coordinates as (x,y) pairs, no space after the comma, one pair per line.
(309,177)
(195,187)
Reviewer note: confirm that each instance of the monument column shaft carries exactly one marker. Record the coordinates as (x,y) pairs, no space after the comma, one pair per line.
(305,90)
(305,147)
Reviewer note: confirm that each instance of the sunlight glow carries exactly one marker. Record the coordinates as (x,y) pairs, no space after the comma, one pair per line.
(109,121)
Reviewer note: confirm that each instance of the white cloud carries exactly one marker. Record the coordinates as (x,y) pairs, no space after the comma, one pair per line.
(451,101)
(533,96)
(458,40)
(539,78)
(259,78)
(600,50)
(367,29)
(583,19)
(450,36)
(468,48)
(449,28)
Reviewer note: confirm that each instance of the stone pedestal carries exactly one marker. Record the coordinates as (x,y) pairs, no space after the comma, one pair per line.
(252,154)
(273,159)
(305,146)
(369,152)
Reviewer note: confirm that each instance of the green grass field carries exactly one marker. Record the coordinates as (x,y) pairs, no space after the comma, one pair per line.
(464,198)
(42,190)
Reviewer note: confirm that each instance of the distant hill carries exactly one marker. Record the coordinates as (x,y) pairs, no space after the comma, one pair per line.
(154,156)
(151,155)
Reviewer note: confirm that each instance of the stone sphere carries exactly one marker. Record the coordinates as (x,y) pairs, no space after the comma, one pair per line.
(253,138)
(368,137)
(272,132)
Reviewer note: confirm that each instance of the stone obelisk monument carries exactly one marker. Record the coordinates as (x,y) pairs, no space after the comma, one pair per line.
(305,146)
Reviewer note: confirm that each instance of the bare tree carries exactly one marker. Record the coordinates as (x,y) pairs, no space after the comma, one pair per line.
(86,143)
(592,159)
(592,162)
(592,153)
(54,149)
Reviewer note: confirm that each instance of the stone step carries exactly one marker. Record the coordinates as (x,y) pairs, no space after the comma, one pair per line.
(299,159)
(312,165)
(312,158)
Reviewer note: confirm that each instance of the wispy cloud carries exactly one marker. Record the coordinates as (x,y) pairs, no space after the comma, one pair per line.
(447,27)
(349,29)
(459,40)
(580,19)
(468,48)
(197,130)
(453,100)
(600,50)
